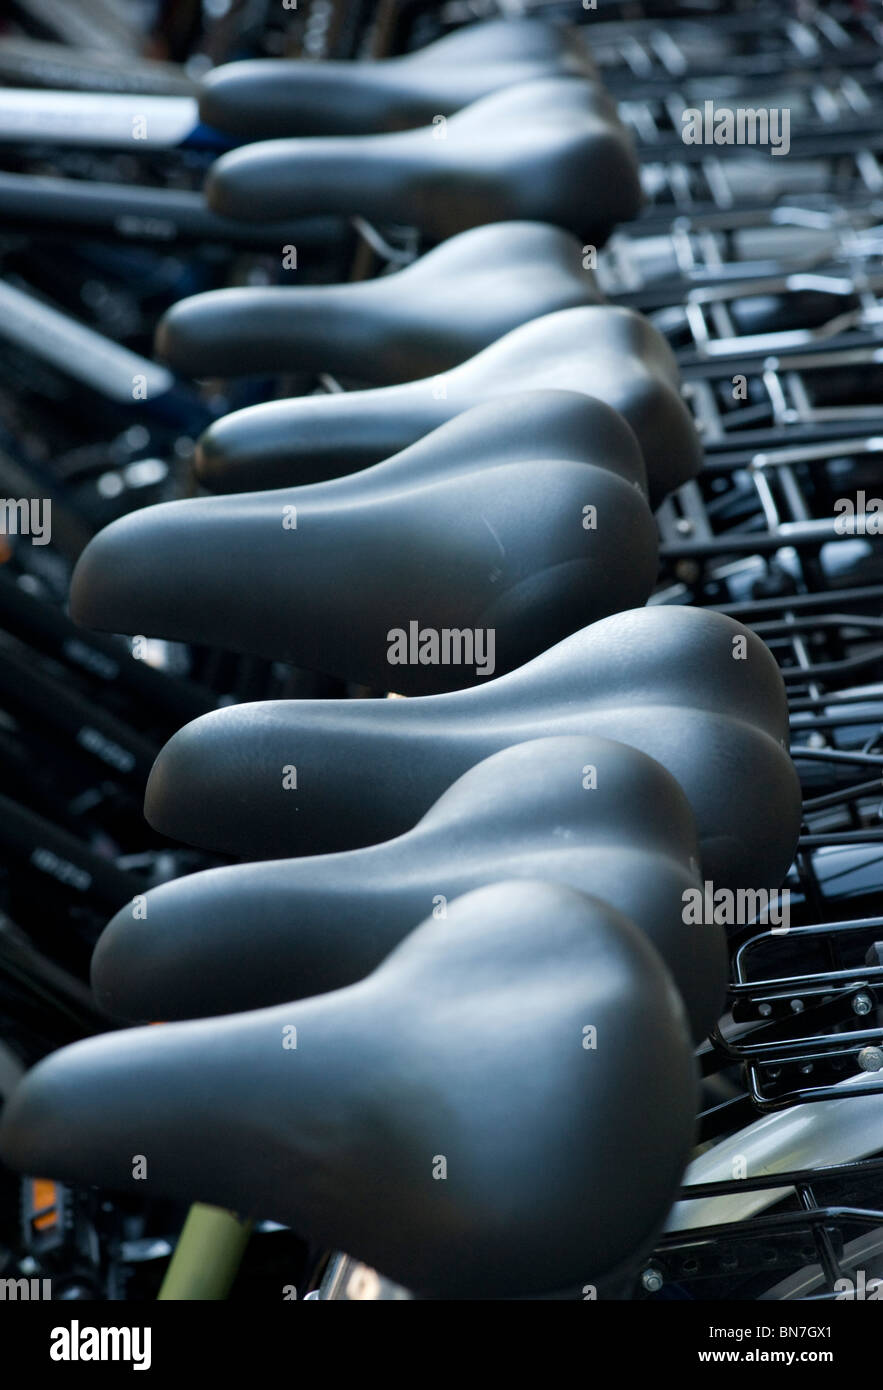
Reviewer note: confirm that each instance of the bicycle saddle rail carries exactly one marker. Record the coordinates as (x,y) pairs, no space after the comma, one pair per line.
(551,151)
(338,1115)
(265,98)
(696,691)
(251,935)
(435,313)
(604,351)
(511,526)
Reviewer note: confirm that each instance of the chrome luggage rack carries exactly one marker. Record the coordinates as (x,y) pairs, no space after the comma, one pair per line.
(780,1218)
(758,539)
(653,42)
(761,538)
(710,183)
(787,398)
(782,532)
(729,249)
(816,1247)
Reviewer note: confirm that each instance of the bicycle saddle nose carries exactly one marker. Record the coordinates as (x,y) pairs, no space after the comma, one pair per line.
(509,527)
(265,98)
(435,313)
(551,151)
(693,689)
(339,1115)
(595,815)
(604,351)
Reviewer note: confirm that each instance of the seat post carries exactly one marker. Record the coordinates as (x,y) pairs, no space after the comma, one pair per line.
(207,1256)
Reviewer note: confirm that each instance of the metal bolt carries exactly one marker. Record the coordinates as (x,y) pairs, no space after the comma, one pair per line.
(764,1010)
(862,1004)
(797,1006)
(652,1280)
(871,1059)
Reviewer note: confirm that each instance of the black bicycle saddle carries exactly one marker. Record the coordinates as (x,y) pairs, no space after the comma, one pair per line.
(551,151)
(437,312)
(511,526)
(604,351)
(693,689)
(266,98)
(596,815)
(457,1099)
